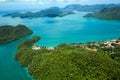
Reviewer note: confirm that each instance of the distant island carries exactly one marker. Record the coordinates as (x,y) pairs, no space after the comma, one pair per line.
(88,8)
(90,61)
(10,33)
(112,13)
(60,12)
(50,12)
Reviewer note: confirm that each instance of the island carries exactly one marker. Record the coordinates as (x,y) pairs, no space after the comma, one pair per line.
(50,12)
(60,12)
(78,61)
(9,33)
(112,13)
(88,8)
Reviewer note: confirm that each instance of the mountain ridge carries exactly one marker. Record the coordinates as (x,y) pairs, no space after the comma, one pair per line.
(60,12)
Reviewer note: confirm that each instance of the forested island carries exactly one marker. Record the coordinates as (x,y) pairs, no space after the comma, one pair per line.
(112,13)
(10,33)
(50,12)
(90,61)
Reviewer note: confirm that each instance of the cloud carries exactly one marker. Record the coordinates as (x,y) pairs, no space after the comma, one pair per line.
(2,0)
(41,2)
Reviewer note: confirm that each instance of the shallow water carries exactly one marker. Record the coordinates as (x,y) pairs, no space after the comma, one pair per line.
(53,31)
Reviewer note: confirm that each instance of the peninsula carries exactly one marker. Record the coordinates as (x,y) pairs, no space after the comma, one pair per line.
(10,33)
(70,61)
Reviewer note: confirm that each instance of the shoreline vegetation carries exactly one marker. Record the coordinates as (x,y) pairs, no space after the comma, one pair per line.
(93,60)
(10,33)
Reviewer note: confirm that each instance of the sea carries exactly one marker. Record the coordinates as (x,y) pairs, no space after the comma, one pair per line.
(72,28)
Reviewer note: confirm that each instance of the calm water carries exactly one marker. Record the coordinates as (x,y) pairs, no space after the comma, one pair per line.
(53,31)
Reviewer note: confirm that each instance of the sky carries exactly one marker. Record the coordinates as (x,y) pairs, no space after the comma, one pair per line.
(41,4)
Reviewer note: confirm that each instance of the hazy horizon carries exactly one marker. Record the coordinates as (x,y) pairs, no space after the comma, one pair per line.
(41,4)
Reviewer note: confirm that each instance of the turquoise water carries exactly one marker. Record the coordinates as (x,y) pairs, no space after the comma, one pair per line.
(53,31)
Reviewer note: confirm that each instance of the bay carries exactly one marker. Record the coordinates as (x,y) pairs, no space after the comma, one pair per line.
(54,31)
